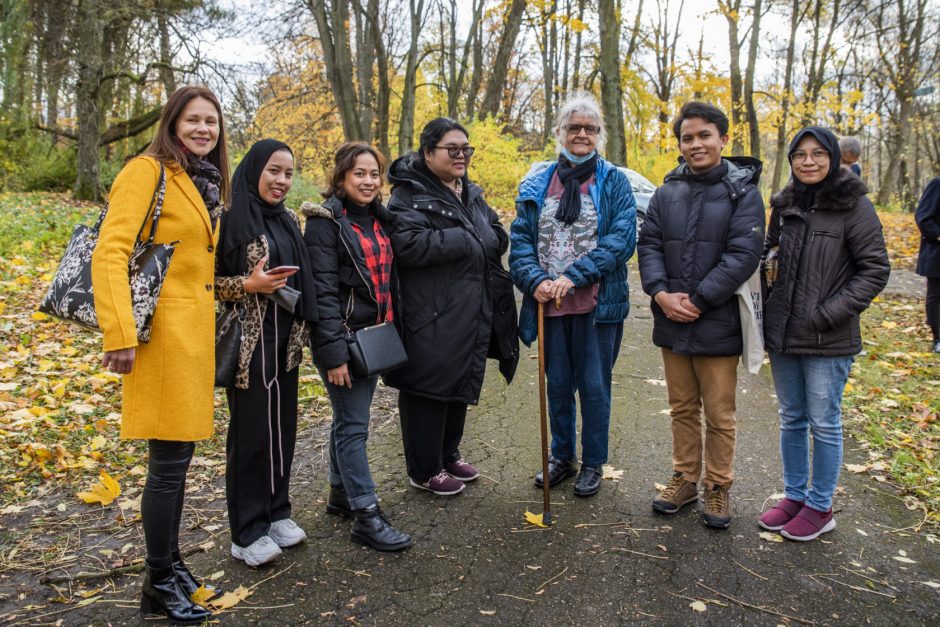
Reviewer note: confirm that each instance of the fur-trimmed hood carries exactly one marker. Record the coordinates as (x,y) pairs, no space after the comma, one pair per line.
(840,193)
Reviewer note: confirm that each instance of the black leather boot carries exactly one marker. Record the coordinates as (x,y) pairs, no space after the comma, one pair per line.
(373,529)
(188,581)
(163,594)
(337,504)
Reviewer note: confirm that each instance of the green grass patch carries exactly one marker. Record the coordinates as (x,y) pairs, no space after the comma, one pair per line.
(893,402)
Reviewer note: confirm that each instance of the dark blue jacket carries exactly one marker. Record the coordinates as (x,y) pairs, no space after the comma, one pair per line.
(928,221)
(703,238)
(605,265)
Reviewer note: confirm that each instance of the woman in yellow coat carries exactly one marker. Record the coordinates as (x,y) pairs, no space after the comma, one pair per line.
(168,381)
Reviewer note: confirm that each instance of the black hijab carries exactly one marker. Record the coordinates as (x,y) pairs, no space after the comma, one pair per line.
(249,216)
(806,194)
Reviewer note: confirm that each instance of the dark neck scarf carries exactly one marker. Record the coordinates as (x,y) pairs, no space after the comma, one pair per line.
(806,194)
(207,179)
(245,221)
(572,177)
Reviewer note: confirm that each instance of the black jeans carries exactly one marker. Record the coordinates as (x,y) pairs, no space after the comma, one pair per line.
(431,432)
(933,306)
(261,437)
(161,506)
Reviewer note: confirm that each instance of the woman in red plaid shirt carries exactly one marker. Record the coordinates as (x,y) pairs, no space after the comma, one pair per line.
(352,264)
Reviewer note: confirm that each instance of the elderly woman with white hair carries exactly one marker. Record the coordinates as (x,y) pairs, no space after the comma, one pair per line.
(574,231)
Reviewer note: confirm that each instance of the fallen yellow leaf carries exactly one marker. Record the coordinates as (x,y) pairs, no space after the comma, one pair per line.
(611,473)
(201,596)
(38,315)
(229,599)
(698,606)
(770,537)
(104,492)
(534,519)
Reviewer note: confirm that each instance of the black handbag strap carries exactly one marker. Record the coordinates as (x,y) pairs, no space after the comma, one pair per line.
(156,201)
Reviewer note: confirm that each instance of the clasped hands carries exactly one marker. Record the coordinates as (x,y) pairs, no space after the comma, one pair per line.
(549,290)
(677,306)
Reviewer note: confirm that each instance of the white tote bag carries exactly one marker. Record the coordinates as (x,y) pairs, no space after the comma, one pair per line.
(751,306)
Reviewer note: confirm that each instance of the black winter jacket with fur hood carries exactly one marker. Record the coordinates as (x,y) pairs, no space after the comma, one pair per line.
(832,262)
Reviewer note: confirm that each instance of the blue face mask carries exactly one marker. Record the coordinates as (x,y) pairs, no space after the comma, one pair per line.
(577,160)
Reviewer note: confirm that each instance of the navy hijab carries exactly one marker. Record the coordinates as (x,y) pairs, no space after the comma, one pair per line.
(806,194)
(249,216)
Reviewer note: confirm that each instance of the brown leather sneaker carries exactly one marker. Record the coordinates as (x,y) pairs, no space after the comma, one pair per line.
(679,492)
(717,511)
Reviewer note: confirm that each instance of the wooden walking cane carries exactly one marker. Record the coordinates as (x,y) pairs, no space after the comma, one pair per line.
(543,422)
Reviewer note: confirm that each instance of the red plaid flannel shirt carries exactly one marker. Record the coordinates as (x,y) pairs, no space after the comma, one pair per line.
(379,264)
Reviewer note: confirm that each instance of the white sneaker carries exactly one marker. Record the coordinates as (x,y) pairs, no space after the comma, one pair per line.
(286,533)
(261,551)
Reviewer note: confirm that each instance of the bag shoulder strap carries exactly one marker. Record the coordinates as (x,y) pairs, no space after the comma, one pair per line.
(156,204)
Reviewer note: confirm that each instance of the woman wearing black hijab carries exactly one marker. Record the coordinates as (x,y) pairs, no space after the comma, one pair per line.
(259,253)
(826,262)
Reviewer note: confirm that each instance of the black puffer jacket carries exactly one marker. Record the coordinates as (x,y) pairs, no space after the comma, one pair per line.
(448,260)
(703,238)
(344,285)
(831,263)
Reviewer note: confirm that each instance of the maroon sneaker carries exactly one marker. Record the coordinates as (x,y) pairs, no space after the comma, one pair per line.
(809,524)
(779,515)
(461,470)
(441,483)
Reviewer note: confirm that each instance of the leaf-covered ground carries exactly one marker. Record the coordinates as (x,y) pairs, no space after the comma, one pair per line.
(59,420)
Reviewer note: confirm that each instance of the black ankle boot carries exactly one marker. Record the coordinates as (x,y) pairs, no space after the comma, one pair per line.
(372,528)
(188,581)
(337,504)
(162,594)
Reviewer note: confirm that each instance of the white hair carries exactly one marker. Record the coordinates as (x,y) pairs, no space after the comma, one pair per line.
(579,103)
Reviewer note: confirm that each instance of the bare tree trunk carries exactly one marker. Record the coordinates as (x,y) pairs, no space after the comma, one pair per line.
(779,159)
(611,91)
(576,74)
(365,60)
(476,78)
(493,95)
(332,19)
(699,65)
(167,76)
(89,82)
(383,96)
(406,128)
(732,13)
(819,57)
(753,124)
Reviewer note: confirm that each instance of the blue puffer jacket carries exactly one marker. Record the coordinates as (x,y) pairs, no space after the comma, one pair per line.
(605,265)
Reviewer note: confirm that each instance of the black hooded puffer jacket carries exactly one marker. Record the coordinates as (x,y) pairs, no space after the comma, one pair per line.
(831,262)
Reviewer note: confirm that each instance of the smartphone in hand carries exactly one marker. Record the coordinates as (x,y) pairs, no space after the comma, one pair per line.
(284,270)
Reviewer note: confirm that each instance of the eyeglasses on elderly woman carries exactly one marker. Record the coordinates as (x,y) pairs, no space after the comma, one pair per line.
(589,129)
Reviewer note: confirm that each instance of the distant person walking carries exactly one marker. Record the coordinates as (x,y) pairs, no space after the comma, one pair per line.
(928,260)
(263,271)
(574,231)
(166,385)
(456,306)
(851,150)
(831,261)
(701,240)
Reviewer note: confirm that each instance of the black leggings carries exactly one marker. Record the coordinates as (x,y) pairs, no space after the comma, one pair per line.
(933,306)
(431,432)
(161,506)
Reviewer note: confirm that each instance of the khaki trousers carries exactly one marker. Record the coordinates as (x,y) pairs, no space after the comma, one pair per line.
(693,381)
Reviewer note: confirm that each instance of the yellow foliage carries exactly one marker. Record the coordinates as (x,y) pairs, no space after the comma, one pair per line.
(104,491)
(498,164)
(534,519)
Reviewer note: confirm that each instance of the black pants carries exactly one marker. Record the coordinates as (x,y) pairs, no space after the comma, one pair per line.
(431,432)
(261,438)
(161,506)
(933,306)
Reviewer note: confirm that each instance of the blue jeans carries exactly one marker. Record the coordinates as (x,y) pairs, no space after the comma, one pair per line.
(580,355)
(349,465)
(809,395)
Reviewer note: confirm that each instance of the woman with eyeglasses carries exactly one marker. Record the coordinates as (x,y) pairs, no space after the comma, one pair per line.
(830,263)
(574,231)
(455,303)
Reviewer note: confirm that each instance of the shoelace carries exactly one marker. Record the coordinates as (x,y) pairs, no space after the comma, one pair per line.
(673,488)
(716,500)
(441,476)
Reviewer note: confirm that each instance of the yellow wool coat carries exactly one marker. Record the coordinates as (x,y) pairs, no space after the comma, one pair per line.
(168,395)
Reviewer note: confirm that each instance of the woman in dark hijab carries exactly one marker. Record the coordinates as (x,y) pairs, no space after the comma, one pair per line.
(262,270)
(825,260)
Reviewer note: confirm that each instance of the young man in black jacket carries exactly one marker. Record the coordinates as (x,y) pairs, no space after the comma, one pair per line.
(702,239)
